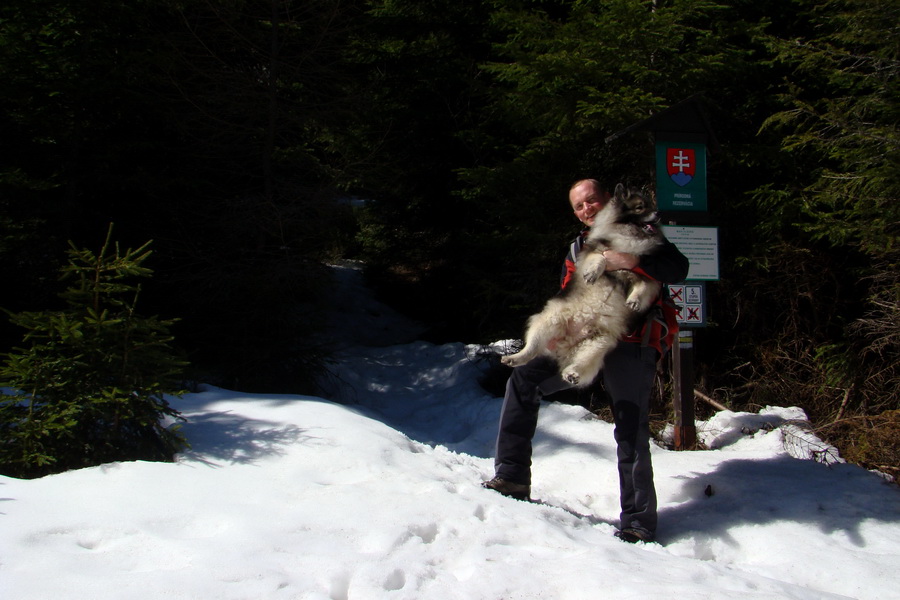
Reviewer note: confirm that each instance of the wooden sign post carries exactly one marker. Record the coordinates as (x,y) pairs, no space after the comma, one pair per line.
(682,138)
(683,401)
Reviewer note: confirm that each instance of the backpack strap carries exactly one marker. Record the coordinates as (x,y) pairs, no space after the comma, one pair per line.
(664,316)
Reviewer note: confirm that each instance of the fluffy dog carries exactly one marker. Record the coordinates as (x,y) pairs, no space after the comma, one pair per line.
(582,324)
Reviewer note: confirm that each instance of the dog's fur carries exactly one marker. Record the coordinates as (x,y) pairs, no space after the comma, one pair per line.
(581,325)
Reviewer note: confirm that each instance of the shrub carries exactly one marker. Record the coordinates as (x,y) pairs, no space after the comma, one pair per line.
(869,441)
(90,386)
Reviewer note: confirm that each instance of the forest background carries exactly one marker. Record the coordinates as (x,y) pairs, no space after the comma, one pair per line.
(255,141)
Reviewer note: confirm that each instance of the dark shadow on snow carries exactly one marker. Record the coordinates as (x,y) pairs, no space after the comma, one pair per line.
(761,492)
(227,438)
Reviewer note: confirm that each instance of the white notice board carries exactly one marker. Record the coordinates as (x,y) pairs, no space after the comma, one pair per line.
(700,245)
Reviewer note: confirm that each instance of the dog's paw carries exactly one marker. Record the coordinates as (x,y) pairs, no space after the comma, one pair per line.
(511,360)
(592,275)
(634,305)
(592,267)
(571,375)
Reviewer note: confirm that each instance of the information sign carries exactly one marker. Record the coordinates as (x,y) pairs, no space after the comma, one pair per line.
(700,245)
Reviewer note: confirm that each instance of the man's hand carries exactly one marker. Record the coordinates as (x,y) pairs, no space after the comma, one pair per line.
(620,260)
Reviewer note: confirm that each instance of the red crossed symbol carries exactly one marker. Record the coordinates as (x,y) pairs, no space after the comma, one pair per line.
(693,313)
(676,292)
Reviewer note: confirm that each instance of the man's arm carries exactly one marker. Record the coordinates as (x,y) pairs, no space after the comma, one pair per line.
(666,264)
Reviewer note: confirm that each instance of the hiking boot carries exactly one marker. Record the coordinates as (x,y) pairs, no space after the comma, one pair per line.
(519,491)
(633,535)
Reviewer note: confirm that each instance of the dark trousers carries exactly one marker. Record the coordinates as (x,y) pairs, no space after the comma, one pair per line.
(628,375)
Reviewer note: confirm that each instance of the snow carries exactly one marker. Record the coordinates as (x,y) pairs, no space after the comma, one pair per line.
(374,493)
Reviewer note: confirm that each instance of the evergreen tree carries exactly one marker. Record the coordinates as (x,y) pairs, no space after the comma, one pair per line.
(90,386)
(839,215)
(418,63)
(208,126)
(254,92)
(74,140)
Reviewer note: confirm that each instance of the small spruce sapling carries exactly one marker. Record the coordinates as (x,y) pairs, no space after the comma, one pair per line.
(90,386)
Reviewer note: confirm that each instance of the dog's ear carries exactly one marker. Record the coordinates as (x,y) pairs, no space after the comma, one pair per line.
(650,195)
(620,192)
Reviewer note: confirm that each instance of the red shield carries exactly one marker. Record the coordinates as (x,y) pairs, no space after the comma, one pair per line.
(681,164)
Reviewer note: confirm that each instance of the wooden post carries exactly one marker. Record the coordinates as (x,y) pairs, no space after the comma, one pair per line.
(682,139)
(683,368)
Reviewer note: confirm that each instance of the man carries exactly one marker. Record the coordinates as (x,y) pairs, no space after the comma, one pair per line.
(628,375)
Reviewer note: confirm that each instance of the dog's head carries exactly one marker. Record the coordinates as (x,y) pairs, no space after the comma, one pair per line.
(635,206)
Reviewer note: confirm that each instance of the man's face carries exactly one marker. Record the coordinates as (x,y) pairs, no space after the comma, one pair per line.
(587,200)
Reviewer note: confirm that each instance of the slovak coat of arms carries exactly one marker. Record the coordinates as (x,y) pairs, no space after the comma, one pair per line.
(681,165)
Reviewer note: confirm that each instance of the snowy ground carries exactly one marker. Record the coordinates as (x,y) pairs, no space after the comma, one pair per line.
(375,494)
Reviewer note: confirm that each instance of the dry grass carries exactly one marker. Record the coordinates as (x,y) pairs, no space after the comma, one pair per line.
(872,442)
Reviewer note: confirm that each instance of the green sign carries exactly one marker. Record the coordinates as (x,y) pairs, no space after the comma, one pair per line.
(680,176)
